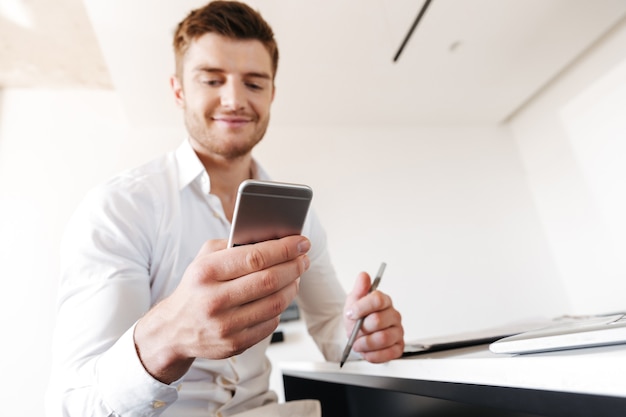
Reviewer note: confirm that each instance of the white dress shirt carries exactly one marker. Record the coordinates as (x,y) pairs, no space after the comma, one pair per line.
(125,248)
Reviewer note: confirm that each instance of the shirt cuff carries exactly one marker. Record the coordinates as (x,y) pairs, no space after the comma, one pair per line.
(126,387)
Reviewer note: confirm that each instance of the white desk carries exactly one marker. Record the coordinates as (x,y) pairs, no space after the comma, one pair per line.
(583,382)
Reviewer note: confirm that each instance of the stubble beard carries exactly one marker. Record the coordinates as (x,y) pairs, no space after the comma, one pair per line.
(217,146)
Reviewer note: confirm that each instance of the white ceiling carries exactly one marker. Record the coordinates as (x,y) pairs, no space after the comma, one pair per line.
(49,43)
(468,61)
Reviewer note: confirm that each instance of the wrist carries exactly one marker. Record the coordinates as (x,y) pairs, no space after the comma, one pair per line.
(157,352)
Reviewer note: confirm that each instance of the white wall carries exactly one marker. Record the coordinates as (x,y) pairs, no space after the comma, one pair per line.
(448,209)
(572,140)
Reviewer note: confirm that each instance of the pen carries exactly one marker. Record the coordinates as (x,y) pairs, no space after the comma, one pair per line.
(359,323)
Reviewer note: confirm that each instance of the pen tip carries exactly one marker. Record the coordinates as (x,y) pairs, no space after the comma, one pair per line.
(341,364)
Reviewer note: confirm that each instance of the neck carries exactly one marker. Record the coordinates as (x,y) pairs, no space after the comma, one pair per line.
(226,175)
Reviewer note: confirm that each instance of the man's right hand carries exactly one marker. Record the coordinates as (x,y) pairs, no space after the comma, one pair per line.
(226,302)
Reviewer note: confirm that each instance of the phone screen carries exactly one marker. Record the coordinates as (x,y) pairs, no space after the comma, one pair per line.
(267,210)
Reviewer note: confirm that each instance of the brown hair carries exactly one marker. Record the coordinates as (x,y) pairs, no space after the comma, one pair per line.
(231,19)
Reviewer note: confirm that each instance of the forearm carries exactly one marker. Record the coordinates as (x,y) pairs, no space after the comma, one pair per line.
(321,301)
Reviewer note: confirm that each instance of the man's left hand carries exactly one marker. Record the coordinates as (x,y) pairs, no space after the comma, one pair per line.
(382,336)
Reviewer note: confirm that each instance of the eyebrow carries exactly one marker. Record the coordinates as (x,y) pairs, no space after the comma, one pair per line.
(213,70)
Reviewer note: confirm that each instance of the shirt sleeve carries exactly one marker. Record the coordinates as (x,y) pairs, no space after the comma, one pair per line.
(321,296)
(104,290)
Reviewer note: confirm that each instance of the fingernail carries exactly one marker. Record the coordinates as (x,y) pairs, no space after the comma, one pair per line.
(350,314)
(307,262)
(304,246)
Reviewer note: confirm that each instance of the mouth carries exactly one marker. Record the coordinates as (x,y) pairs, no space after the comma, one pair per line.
(232,121)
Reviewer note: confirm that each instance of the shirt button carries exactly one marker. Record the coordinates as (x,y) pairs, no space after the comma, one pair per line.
(158,404)
(179,387)
(218,414)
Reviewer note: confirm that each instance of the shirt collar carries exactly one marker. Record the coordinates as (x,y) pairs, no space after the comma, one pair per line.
(189,165)
(190,168)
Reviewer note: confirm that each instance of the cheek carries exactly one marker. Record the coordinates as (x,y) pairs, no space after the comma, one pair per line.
(261,106)
(199,104)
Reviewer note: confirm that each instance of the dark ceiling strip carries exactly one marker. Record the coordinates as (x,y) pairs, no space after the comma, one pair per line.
(408,35)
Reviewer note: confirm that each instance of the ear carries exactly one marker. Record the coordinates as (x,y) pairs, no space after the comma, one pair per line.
(177,89)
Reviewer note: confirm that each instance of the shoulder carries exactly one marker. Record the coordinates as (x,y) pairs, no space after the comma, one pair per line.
(146,183)
(132,200)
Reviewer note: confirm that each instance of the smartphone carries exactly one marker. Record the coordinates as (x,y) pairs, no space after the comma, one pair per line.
(267,210)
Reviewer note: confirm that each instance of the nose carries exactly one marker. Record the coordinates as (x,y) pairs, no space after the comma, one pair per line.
(232,95)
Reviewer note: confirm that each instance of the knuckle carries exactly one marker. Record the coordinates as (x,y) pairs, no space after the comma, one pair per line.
(209,246)
(400,333)
(396,351)
(380,339)
(380,300)
(276,307)
(255,260)
(400,347)
(375,321)
(398,315)
(223,329)
(399,321)
(275,322)
(303,264)
(268,281)
(216,303)
(195,274)
(236,347)
(200,271)
(285,252)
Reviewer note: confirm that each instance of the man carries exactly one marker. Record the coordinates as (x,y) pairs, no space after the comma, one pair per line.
(155,316)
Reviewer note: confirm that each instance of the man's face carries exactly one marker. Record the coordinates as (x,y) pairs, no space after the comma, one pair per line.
(225,89)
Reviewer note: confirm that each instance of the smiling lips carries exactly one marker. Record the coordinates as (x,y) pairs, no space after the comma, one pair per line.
(232,121)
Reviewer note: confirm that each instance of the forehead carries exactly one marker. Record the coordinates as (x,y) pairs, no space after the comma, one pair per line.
(229,55)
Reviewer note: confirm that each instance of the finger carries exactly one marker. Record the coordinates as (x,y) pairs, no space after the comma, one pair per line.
(263,309)
(381,320)
(226,265)
(368,304)
(379,341)
(384,355)
(262,255)
(250,323)
(264,284)
(250,336)
(242,260)
(227,344)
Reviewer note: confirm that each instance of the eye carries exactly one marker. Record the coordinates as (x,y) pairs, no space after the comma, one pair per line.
(211,82)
